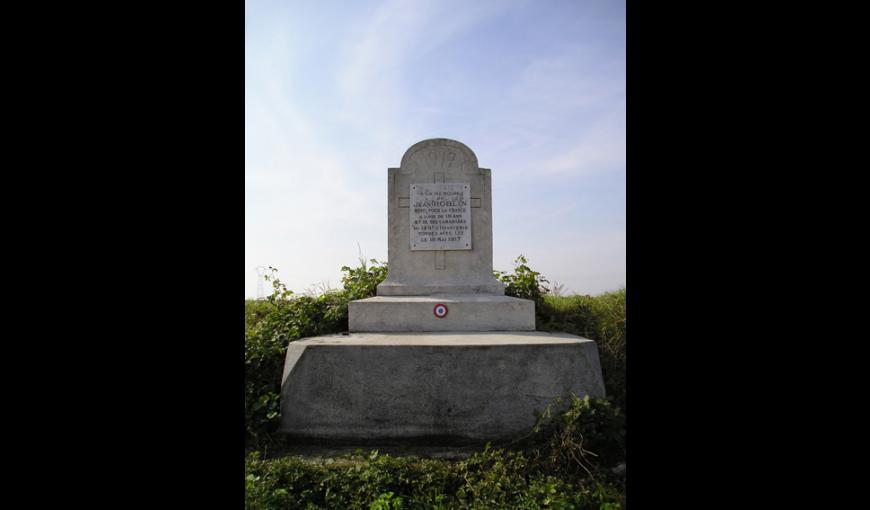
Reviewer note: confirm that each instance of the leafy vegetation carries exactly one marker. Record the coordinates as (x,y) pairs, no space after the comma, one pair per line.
(567,461)
(524,283)
(565,464)
(489,479)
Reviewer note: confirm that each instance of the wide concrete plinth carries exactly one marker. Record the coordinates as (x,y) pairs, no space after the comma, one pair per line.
(468,312)
(430,388)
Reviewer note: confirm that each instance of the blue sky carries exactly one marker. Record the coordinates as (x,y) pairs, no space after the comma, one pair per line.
(335,92)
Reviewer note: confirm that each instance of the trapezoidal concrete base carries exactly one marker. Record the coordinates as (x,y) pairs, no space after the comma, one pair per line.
(444,388)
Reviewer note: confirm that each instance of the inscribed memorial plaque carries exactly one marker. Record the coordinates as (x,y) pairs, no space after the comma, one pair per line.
(440,216)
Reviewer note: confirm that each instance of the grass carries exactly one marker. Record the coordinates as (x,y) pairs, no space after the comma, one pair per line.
(489,479)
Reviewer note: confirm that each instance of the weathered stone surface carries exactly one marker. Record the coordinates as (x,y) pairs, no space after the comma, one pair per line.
(435,388)
(468,312)
(425,272)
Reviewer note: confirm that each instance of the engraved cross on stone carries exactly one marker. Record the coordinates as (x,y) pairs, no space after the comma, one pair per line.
(440,262)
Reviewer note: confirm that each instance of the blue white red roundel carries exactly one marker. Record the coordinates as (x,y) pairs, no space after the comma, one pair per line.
(440,311)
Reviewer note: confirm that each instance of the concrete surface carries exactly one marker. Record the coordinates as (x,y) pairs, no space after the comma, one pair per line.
(470,312)
(430,388)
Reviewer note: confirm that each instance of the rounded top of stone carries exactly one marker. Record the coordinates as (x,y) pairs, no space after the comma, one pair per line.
(442,152)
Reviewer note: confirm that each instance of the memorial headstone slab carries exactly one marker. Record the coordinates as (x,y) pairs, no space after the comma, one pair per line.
(440,223)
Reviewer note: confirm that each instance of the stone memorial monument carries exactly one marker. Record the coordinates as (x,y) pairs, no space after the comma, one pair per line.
(440,355)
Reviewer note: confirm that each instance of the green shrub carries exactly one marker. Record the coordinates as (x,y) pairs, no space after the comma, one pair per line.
(255,311)
(362,282)
(586,437)
(524,283)
(492,478)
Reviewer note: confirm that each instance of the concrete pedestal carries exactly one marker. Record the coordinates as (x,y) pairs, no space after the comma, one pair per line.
(462,312)
(430,388)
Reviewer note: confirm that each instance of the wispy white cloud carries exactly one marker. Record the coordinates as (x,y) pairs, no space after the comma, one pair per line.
(600,147)
(329,107)
(573,76)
